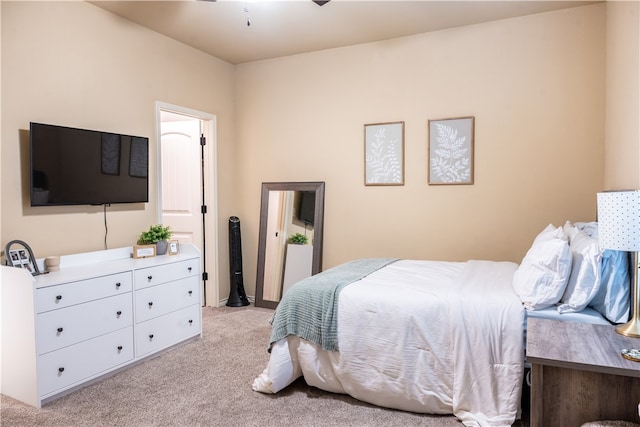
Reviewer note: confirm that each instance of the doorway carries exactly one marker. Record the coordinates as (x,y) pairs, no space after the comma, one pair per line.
(187,197)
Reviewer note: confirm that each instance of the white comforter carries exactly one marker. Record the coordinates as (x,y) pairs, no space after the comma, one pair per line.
(422,336)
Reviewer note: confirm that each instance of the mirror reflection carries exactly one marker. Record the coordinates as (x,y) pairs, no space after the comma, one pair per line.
(290,237)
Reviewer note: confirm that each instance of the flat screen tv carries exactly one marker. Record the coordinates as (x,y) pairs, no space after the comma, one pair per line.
(86,167)
(307,208)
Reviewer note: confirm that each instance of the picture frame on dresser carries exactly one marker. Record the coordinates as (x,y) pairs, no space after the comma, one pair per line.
(144,251)
(20,258)
(173,247)
(20,255)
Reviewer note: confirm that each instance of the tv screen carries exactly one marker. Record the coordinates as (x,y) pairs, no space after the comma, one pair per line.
(86,167)
(307,208)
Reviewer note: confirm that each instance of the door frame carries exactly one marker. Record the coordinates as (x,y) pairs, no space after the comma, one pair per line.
(209,130)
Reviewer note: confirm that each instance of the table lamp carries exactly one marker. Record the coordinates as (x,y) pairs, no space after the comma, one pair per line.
(619,229)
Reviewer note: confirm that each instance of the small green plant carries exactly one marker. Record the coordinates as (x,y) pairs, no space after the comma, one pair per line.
(298,239)
(155,234)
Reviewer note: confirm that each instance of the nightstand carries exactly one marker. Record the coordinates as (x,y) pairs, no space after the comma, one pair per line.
(578,374)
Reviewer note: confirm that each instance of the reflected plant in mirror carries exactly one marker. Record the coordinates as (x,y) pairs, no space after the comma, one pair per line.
(290,213)
(298,239)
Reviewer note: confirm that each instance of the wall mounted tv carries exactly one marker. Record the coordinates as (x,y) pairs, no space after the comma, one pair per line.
(86,167)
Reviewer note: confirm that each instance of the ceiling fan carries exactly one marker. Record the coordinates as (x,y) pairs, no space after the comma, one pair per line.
(318,2)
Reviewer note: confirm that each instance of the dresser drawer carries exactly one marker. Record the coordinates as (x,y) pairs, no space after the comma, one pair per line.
(162,299)
(167,330)
(166,273)
(67,294)
(61,328)
(64,368)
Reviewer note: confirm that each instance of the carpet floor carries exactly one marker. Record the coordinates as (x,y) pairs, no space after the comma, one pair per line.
(207,382)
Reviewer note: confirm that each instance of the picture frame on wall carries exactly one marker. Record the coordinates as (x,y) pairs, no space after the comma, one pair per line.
(384,153)
(451,150)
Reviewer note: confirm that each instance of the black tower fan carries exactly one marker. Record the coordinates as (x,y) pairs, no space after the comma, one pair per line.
(237,295)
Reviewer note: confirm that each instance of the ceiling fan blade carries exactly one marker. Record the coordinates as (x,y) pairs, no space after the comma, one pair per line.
(318,2)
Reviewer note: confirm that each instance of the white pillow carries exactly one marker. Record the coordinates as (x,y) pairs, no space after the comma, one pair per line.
(591,228)
(542,276)
(584,281)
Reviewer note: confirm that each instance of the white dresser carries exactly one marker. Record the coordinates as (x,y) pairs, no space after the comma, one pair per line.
(101,312)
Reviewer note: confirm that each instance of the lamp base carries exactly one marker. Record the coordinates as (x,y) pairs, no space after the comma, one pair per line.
(630,329)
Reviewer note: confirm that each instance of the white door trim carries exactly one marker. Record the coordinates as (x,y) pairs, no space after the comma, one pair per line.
(211,189)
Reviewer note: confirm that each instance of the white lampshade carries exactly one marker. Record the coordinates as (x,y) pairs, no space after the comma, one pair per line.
(619,220)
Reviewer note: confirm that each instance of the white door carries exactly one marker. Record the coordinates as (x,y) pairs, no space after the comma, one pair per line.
(181,179)
(182,186)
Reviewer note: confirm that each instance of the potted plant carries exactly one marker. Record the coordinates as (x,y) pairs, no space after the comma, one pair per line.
(156,235)
(298,239)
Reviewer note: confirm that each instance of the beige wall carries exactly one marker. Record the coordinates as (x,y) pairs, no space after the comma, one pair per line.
(73,64)
(622,148)
(535,86)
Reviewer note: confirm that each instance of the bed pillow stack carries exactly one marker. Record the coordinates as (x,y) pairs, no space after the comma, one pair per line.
(566,267)
(584,281)
(542,276)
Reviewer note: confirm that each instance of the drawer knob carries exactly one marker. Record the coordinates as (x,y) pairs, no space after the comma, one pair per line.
(119,348)
(190,292)
(189,268)
(150,303)
(149,278)
(60,369)
(150,336)
(60,329)
(118,313)
(118,285)
(190,321)
(58,297)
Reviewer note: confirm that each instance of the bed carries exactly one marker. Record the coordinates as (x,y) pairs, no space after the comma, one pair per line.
(434,336)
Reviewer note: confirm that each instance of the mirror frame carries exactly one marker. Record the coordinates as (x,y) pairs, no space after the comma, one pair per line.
(318,225)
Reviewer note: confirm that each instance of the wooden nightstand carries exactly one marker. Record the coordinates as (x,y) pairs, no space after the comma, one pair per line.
(578,374)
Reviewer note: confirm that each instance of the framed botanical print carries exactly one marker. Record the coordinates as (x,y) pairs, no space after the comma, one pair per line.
(384,153)
(450,149)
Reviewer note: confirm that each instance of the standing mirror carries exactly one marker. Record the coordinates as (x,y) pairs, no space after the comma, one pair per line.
(288,208)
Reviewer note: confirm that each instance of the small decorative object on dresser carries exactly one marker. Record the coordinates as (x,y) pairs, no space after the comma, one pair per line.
(19,254)
(144,251)
(631,354)
(173,247)
(156,235)
(52,263)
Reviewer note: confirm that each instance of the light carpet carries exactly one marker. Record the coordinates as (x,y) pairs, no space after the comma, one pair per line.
(207,382)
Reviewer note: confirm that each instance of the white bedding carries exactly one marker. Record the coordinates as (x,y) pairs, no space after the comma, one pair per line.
(422,336)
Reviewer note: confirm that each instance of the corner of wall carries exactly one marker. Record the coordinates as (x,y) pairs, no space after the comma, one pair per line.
(622,110)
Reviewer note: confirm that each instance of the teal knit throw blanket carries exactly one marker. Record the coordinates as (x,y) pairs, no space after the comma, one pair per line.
(309,309)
